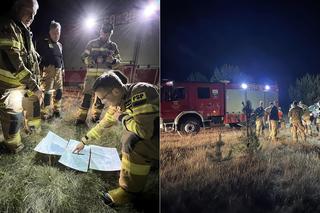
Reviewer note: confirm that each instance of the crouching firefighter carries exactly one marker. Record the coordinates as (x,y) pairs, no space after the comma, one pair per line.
(17,60)
(136,106)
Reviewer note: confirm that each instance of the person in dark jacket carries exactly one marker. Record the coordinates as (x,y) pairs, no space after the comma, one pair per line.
(273,120)
(52,66)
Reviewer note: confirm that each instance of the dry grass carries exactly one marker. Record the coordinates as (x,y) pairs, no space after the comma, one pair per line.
(280,177)
(28,183)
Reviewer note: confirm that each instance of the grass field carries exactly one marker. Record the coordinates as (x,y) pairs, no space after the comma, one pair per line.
(278,177)
(29,183)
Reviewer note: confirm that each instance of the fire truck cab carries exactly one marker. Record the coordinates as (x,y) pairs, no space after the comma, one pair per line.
(188,106)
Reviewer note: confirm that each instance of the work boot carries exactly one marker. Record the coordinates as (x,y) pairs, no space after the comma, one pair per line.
(95,120)
(56,114)
(45,113)
(19,149)
(116,196)
(46,117)
(80,122)
(4,149)
(107,199)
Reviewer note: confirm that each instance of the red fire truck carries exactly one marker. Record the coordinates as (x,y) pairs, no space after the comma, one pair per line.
(188,106)
(74,79)
(134,73)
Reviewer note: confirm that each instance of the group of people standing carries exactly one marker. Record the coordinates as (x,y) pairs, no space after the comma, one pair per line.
(300,120)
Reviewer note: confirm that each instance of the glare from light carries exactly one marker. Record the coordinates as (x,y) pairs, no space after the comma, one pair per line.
(244,86)
(90,23)
(267,87)
(150,10)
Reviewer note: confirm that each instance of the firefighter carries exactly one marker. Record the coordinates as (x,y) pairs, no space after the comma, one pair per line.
(273,118)
(137,107)
(259,113)
(247,110)
(18,60)
(317,117)
(295,115)
(306,118)
(52,67)
(100,56)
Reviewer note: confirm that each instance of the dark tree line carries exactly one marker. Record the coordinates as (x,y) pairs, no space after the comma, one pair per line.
(306,89)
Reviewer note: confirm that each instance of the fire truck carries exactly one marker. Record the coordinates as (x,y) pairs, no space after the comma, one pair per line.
(74,78)
(188,106)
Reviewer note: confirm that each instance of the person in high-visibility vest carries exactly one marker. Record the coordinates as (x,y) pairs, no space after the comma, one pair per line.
(18,64)
(100,56)
(136,106)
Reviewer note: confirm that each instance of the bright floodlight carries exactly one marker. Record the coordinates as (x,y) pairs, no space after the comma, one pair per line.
(89,22)
(150,10)
(244,86)
(267,87)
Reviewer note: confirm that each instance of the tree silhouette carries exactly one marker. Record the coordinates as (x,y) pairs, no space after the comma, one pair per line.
(228,72)
(197,76)
(306,89)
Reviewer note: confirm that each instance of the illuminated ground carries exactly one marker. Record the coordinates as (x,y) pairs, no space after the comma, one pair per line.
(28,183)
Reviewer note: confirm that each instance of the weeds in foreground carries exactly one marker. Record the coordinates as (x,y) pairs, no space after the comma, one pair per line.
(280,177)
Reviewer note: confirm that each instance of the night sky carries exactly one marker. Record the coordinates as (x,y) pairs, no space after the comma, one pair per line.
(273,41)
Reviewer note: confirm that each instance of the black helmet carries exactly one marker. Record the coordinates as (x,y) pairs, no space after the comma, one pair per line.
(107,27)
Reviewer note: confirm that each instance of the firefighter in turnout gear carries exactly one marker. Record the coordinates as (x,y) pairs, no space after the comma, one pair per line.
(52,67)
(317,117)
(100,56)
(295,115)
(259,113)
(306,118)
(18,61)
(136,106)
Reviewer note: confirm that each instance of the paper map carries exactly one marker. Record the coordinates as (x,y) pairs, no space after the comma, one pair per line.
(52,144)
(75,161)
(91,157)
(104,159)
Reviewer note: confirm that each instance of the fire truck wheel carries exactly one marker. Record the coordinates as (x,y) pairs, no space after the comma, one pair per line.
(190,126)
